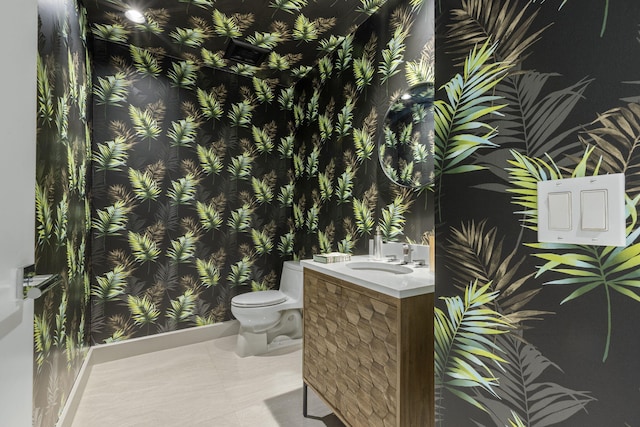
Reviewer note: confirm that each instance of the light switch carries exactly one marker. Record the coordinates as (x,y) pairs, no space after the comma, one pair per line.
(593,209)
(587,210)
(559,211)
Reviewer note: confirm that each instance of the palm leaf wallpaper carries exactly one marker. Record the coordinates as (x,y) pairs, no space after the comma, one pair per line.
(206,180)
(207,174)
(341,192)
(295,32)
(560,104)
(185,185)
(63,150)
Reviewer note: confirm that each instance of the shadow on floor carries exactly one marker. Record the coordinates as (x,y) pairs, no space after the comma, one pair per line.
(287,410)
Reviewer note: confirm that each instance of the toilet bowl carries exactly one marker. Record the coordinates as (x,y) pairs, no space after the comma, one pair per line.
(270,319)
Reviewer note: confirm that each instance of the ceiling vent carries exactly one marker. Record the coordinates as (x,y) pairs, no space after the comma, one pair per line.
(246,53)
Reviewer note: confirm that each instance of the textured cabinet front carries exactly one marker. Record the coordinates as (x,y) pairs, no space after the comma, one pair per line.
(321,312)
(353,350)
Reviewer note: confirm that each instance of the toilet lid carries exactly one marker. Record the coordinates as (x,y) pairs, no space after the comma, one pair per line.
(259,299)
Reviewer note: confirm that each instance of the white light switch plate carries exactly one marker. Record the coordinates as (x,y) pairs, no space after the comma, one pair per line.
(585,211)
(559,210)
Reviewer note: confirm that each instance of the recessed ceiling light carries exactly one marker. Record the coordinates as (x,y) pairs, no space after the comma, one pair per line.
(135,16)
(406,96)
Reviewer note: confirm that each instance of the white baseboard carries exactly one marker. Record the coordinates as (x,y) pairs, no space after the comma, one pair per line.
(102,353)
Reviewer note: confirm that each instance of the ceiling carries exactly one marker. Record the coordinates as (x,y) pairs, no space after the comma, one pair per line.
(296,32)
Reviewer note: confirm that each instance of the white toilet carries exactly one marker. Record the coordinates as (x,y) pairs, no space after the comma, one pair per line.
(270,319)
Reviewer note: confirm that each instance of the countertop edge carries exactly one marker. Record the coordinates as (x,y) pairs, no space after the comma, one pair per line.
(340,271)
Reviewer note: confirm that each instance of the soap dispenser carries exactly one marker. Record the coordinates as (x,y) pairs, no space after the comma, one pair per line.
(377,244)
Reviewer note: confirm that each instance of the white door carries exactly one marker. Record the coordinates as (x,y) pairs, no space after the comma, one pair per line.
(18,35)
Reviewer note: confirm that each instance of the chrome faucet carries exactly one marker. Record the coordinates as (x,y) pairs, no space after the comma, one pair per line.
(406,253)
(377,245)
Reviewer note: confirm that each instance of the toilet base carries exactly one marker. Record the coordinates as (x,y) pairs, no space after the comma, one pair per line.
(283,343)
(287,332)
(250,344)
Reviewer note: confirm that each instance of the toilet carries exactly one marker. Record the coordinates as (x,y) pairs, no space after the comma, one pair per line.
(270,319)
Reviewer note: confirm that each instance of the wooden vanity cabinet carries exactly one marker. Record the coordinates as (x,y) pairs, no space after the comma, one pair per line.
(368,355)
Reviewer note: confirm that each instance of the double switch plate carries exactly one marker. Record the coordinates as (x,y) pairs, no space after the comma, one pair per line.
(586,211)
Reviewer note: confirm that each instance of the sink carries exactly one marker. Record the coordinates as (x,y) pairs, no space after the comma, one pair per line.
(390,278)
(379,266)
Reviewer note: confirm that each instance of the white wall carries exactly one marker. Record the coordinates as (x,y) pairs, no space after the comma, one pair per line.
(16,366)
(18,32)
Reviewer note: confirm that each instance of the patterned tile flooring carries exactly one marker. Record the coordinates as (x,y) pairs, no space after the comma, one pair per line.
(199,385)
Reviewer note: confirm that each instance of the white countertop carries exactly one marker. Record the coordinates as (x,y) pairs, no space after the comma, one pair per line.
(420,281)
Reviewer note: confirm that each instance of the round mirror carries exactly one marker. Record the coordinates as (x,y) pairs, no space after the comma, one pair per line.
(406,143)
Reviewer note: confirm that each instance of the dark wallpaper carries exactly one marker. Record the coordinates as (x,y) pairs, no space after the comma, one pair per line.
(192,191)
(63,153)
(342,194)
(528,333)
(205,181)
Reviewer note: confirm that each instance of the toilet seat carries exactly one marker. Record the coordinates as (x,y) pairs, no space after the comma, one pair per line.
(259,299)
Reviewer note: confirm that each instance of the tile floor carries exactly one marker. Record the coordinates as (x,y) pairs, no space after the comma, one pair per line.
(204,384)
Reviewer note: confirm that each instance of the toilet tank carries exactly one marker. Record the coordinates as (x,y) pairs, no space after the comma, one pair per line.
(291,280)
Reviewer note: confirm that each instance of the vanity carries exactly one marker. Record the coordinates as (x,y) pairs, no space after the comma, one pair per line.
(368,341)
